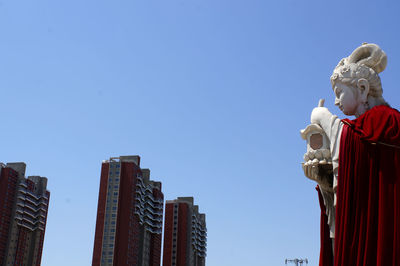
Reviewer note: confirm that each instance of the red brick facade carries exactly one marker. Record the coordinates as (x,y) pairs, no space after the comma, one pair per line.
(184,234)
(125,243)
(101,209)
(23,214)
(183,241)
(127,248)
(8,187)
(168,231)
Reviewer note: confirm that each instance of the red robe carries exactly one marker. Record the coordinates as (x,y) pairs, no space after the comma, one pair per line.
(367,228)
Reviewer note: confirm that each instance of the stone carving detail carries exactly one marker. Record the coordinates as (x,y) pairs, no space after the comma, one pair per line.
(317,160)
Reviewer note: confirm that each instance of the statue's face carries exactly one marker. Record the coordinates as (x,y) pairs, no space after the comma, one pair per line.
(347,98)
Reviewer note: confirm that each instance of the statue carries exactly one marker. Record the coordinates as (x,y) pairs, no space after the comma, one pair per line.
(359,178)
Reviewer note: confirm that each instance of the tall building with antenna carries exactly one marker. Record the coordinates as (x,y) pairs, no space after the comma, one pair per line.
(129,215)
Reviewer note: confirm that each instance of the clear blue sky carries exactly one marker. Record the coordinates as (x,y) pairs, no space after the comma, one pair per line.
(210,93)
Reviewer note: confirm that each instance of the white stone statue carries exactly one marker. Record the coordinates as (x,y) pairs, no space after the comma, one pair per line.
(357,89)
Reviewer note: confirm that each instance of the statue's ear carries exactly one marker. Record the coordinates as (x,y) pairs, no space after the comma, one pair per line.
(363,86)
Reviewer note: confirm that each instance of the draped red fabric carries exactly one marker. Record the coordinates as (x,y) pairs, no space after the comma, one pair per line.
(367,229)
(325,254)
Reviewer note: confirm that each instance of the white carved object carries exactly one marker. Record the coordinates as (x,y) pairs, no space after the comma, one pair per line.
(317,163)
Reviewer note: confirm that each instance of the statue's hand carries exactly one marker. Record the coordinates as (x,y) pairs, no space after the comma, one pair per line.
(320,115)
(317,166)
(321,176)
(311,171)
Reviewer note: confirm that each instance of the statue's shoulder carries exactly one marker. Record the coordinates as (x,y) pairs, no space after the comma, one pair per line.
(382,112)
(380,124)
(377,114)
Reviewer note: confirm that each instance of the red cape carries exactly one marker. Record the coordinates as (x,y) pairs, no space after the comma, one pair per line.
(367,228)
(325,254)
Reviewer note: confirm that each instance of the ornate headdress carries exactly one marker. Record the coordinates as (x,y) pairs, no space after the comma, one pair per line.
(365,62)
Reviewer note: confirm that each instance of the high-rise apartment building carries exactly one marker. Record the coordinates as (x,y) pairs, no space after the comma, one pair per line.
(23,214)
(185,234)
(129,215)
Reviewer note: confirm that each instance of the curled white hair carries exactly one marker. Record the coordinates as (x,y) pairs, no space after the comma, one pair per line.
(365,62)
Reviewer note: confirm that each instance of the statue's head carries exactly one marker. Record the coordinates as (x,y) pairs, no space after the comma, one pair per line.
(356,77)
